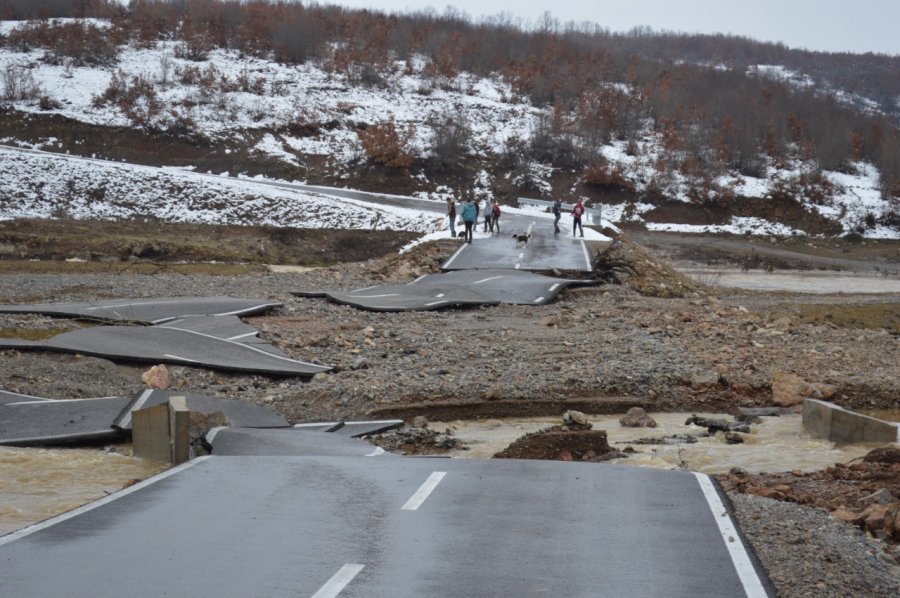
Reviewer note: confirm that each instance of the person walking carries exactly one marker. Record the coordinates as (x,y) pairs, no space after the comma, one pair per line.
(470,217)
(451,213)
(495,215)
(557,213)
(577,213)
(489,215)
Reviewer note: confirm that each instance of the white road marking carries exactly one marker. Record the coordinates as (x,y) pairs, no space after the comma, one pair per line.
(587,256)
(98,503)
(434,303)
(439,295)
(29,396)
(339,581)
(517,266)
(424,491)
(455,255)
(377,452)
(487,279)
(539,299)
(126,421)
(41,401)
(170,356)
(365,289)
(245,335)
(521,255)
(225,340)
(211,435)
(417,280)
(553,288)
(375,296)
(753,586)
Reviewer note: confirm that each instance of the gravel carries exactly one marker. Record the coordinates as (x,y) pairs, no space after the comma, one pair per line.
(808,554)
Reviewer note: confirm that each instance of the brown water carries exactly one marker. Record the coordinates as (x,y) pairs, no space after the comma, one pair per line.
(36,484)
(777,444)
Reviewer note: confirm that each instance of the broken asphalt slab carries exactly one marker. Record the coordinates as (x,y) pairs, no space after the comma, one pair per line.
(36,421)
(290,442)
(454,289)
(353,429)
(149,311)
(240,414)
(157,344)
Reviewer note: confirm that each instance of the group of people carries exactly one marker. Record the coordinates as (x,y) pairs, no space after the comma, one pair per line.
(492,216)
(469,215)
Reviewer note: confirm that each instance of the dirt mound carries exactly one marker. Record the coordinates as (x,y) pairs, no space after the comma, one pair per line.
(627,263)
(561,444)
(417,441)
(425,258)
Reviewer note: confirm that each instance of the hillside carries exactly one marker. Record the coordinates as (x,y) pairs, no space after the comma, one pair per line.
(739,147)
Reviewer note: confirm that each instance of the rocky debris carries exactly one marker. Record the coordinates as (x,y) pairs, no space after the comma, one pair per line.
(627,263)
(757,412)
(717,425)
(157,377)
(417,441)
(887,454)
(562,444)
(420,421)
(790,389)
(199,426)
(671,439)
(863,494)
(576,420)
(637,417)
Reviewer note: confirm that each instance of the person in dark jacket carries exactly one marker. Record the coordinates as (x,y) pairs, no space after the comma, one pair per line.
(451,213)
(557,213)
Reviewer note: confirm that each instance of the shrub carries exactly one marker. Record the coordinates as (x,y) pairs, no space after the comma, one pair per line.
(19,84)
(451,137)
(137,99)
(603,175)
(385,144)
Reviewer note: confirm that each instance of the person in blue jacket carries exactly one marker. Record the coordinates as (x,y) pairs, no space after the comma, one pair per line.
(470,217)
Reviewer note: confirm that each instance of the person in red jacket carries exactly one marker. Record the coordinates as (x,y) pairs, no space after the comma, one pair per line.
(577,213)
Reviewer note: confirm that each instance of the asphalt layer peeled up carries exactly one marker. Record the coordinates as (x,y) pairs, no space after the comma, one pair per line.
(455,289)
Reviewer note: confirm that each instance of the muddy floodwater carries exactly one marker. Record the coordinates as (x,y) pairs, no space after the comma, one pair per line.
(36,484)
(801,281)
(776,444)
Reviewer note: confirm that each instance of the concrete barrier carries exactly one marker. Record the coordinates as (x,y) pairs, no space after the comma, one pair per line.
(162,433)
(826,420)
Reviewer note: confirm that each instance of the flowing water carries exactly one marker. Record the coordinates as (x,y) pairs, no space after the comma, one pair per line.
(36,484)
(802,281)
(776,444)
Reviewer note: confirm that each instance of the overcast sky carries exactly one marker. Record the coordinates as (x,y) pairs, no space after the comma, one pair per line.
(825,25)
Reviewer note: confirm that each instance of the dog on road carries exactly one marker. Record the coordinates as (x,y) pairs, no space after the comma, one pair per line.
(521,239)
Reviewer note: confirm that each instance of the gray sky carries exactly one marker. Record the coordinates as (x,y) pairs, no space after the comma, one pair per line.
(825,25)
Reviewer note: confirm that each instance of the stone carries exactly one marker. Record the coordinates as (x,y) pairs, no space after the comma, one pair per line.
(360,364)
(420,421)
(705,380)
(874,517)
(576,420)
(493,394)
(733,438)
(882,497)
(789,389)
(637,418)
(157,377)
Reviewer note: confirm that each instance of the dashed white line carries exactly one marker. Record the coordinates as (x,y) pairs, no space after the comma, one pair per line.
(553,288)
(521,255)
(339,581)
(539,299)
(753,587)
(245,335)
(424,491)
(170,356)
(439,295)
(376,453)
(487,279)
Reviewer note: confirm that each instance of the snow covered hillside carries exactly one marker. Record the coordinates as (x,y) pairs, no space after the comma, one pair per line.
(300,113)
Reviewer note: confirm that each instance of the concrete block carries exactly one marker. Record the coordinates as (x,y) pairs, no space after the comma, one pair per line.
(826,420)
(179,430)
(162,432)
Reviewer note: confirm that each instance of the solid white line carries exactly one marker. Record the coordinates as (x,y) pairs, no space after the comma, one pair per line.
(18,394)
(424,491)
(170,356)
(245,335)
(753,586)
(339,581)
(45,401)
(126,421)
(98,503)
(349,422)
(375,296)
(587,256)
(455,255)
(245,346)
(487,279)
(365,289)
(417,280)
(377,452)
(434,303)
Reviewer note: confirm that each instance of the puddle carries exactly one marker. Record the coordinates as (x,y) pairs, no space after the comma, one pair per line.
(36,484)
(776,444)
(814,281)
